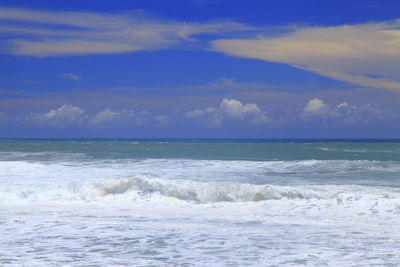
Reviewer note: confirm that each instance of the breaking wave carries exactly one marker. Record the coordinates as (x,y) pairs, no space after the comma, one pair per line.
(125,191)
(202,192)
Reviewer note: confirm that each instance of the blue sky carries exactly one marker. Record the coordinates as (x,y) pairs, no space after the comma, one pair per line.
(200,68)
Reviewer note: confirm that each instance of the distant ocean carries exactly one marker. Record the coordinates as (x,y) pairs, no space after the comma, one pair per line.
(199,202)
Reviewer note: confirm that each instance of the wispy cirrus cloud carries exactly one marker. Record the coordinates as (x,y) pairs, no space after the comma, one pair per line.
(69,76)
(59,33)
(363,54)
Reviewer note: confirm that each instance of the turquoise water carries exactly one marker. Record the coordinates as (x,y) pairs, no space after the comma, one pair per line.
(199,202)
(213,149)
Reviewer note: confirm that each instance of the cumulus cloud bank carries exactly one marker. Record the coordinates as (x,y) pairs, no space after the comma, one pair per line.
(73,116)
(58,33)
(122,118)
(61,117)
(109,116)
(317,111)
(364,54)
(229,113)
(229,109)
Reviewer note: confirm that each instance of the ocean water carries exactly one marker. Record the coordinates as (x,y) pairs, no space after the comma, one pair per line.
(199,203)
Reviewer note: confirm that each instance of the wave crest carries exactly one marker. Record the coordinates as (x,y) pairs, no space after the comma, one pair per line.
(202,192)
(158,191)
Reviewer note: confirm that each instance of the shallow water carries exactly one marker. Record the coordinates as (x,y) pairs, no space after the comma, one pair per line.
(190,203)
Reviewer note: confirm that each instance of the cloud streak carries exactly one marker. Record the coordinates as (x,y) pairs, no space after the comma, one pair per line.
(364,54)
(60,33)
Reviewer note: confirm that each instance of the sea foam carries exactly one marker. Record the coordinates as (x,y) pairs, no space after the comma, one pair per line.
(111,204)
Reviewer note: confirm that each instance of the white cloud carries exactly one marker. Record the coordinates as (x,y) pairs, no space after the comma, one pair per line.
(235,109)
(211,117)
(364,54)
(74,116)
(314,105)
(317,111)
(229,109)
(343,105)
(44,48)
(69,76)
(47,33)
(224,82)
(107,116)
(229,112)
(64,116)
(194,113)
(122,118)
(162,121)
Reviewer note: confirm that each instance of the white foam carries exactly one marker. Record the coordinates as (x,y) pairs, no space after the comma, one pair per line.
(131,191)
(201,181)
(189,212)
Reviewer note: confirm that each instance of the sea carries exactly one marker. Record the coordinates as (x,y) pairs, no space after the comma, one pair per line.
(216,202)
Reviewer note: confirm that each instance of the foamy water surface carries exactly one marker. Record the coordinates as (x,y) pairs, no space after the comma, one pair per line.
(89,203)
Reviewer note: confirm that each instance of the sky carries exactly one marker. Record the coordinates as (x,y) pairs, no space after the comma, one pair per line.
(199,69)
